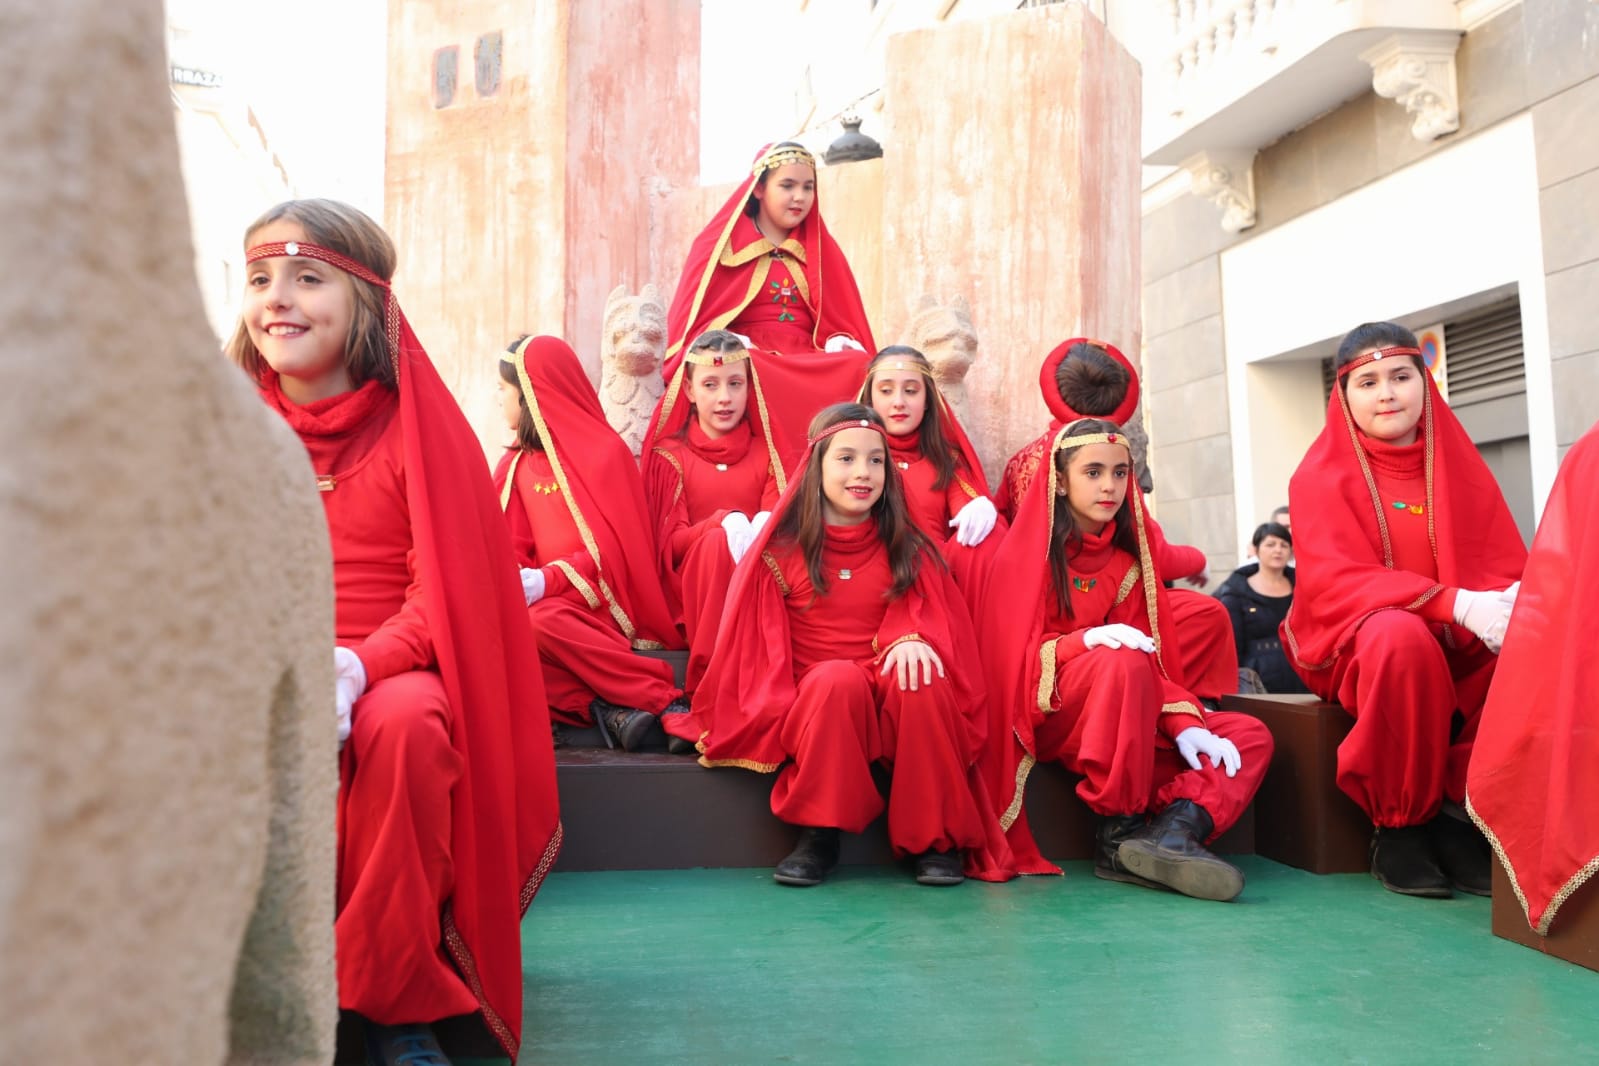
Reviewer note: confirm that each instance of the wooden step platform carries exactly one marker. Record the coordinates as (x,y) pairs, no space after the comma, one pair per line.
(647,811)
(1302,818)
(1574,935)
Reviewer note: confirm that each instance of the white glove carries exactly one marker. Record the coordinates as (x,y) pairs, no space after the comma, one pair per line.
(532,585)
(1485,614)
(1118,635)
(1196,741)
(1510,594)
(349,681)
(759,521)
(745,341)
(740,534)
(839,341)
(974,522)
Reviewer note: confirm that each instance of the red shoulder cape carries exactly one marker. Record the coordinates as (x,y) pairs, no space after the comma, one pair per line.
(1531,785)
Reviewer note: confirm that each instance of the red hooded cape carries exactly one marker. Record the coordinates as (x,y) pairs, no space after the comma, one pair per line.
(1531,786)
(749,686)
(505,826)
(1010,600)
(601,485)
(1345,570)
(727,267)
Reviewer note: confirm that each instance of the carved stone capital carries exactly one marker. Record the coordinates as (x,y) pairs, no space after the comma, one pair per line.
(1418,70)
(1227,179)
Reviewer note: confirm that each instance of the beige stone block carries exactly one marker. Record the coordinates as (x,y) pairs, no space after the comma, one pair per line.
(1212,524)
(1181,233)
(1346,148)
(1573,311)
(1188,412)
(1065,132)
(1195,468)
(1562,130)
(1576,386)
(1184,355)
(1562,44)
(1570,222)
(167,736)
(1285,180)
(1185,296)
(1491,72)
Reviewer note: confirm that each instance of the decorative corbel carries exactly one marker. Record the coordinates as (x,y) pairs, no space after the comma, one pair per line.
(1227,179)
(1418,70)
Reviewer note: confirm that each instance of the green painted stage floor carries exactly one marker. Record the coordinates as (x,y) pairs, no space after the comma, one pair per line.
(724,966)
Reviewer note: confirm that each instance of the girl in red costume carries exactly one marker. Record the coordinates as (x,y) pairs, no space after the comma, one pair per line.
(1076,641)
(575,507)
(1404,544)
(944,484)
(1090,379)
(710,480)
(846,643)
(447,817)
(766,267)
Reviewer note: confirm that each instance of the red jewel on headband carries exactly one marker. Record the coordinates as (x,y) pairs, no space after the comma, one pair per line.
(716,360)
(1111,437)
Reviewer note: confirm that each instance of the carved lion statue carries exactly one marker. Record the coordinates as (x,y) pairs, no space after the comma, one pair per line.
(632,344)
(943,332)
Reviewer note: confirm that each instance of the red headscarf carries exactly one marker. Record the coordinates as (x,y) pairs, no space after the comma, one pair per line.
(1531,785)
(715,284)
(938,409)
(749,686)
(1345,568)
(1060,409)
(505,829)
(1011,600)
(601,485)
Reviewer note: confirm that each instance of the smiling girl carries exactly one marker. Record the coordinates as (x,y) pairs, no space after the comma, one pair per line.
(1404,546)
(447,816)
(844,644)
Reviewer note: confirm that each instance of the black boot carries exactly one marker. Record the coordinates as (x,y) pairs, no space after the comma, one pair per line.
(1462,852)
(939,868)
(812,859)
(410,1045)
(1171,851)
(1402,859)
(1113,829)
(676,745)
(632,728)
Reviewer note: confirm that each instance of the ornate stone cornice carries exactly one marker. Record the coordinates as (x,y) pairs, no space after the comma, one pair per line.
(1418,70)
(1227,179)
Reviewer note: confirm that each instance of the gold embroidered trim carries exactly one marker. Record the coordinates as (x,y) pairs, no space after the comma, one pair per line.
(777,573)
(742,764)
(1129,579)
(640,644)
(966,487)
(1576,881)
(760,246)
(1182,707)
(578,582)
(510,481)
(782,156)
(1046,677)
(669,457)
(1023,768)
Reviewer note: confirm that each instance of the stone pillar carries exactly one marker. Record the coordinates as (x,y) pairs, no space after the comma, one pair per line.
(1013,178)
(527,144)
(166,724)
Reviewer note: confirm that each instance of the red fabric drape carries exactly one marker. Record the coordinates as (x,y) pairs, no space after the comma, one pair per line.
(601,485)
(1531,785)
(505,828)
(1344,552)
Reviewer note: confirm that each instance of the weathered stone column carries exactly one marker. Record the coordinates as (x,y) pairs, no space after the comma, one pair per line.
(167,746)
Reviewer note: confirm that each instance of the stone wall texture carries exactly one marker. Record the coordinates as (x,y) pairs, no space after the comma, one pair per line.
(167,749)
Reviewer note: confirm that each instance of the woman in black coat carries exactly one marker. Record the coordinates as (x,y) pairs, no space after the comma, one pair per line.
(1257,596)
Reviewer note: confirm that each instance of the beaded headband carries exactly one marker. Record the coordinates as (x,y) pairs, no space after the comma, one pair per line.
(304,250)
(1380,353)
(839,427)
(779,157)
(1080,439)
(705,357)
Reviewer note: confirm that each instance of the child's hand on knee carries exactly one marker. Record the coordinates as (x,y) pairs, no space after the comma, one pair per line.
(913,663)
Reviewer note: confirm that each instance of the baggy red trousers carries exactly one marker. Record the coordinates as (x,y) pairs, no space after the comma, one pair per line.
(1207,659)
(847,716)
(1416,705)
(1106,730)
(394,857)
(584,655)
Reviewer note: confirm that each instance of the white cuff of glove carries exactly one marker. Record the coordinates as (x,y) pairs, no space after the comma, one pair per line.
(839,341)
(740,534)
(532,585)
(1197,740)
(1118,635)
(975,521)
(349,682)
(1484,613)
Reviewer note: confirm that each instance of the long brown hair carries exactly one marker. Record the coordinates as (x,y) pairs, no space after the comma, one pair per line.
(935,444)
(343,229)
(803,524)
(527,434)
(1064,528)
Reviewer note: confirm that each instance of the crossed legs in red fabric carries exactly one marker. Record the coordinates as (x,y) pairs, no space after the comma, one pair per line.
(395,870)
(584,655)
